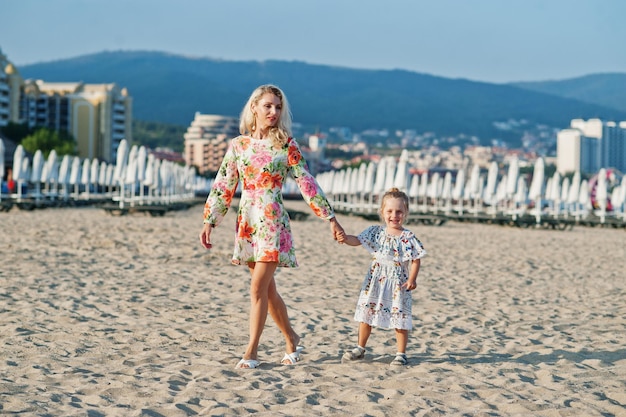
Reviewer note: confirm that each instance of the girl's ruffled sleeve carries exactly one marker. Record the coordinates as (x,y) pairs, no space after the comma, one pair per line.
(369,238)
(412,248)
(223,189)
(309,188)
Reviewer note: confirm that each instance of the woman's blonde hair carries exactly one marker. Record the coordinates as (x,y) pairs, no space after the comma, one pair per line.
(395,193)
(278,134)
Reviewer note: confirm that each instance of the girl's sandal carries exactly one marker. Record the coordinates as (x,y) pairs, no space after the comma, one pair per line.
(399,360)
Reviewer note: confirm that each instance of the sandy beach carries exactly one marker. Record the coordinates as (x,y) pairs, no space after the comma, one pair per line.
(130,316)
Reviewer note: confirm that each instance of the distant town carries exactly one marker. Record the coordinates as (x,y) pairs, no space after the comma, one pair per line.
(96,117)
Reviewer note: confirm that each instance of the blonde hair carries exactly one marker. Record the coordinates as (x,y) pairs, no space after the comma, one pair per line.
(395,193)
(278,134)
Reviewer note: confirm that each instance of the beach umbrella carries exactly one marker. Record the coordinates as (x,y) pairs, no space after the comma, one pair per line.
(370,174)
(64,170)
(511,184)
(415,186)
(522,192)
(433,189)
(379,182)
(46,170)
(361,178)
(423,190)
(583,196)
(492,181)
(38,162)
(574,188)
(102,175)
(141,163)
(74,171)
(18,156)
(457,192)
(474,182)
(390,173)
(121,161)
(95,171)
(85,172)
(565,189)
(535,192)
(501,190)
(401,179)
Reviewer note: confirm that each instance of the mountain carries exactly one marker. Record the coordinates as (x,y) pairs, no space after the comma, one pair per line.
(608,90)
(171,88)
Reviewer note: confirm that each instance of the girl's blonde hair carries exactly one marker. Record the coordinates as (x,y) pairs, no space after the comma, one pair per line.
(278,134)
(395,193)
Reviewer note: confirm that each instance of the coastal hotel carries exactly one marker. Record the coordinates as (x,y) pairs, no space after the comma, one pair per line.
(98,116)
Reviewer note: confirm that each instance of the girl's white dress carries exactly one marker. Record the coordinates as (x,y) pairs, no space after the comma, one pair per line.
(382,302)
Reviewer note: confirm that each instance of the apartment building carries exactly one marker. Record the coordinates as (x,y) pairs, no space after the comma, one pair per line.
(10,82)
(206,140)
(587,146)
(98,116)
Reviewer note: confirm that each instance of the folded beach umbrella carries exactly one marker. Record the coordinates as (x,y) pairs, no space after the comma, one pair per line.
(18,155)
(64,170)
(512,174)
(120,162)
(94,176)
(492,181)
(37,168)
(390,173)
(85,172)
(535,192)
(574,189)
(75,171)
(457,192)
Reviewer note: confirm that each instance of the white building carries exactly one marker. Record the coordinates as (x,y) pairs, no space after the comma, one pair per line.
(590,145)
(206,140)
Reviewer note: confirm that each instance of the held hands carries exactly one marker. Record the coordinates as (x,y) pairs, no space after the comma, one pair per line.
(205,236)
(338,233)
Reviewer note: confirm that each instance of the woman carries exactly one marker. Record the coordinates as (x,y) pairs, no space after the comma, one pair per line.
(261,158)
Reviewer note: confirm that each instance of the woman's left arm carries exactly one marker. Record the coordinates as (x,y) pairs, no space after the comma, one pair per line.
(309,188)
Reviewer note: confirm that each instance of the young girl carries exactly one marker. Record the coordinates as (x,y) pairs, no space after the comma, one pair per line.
(385,298)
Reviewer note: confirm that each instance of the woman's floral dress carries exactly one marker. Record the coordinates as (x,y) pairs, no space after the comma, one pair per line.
(382,302)
(263,233)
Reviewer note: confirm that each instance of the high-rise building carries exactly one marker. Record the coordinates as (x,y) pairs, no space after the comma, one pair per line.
(206,140)
(590,145)
(98,116)
(10,82)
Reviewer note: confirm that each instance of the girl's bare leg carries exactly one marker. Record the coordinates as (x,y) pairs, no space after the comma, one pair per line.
(364,333)
(402,338)
(262,276)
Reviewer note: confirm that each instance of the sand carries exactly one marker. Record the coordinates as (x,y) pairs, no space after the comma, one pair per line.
(130,316)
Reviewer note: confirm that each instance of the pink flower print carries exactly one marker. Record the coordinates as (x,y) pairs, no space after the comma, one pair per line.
(285,241)
(307,186)
(261,158)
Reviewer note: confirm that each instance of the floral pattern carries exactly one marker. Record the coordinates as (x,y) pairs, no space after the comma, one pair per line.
(382,301)
(263,232)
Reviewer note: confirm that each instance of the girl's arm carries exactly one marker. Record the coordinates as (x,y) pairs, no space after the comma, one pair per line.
(414,269)
(349,240)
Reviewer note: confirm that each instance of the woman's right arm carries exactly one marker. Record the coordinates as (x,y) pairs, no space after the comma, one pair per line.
(220,197)
(223,189)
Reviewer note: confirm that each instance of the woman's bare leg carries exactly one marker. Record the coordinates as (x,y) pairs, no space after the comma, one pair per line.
(262,274)
(278,310)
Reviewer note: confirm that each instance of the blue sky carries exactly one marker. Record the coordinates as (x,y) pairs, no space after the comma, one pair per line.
(483,40)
